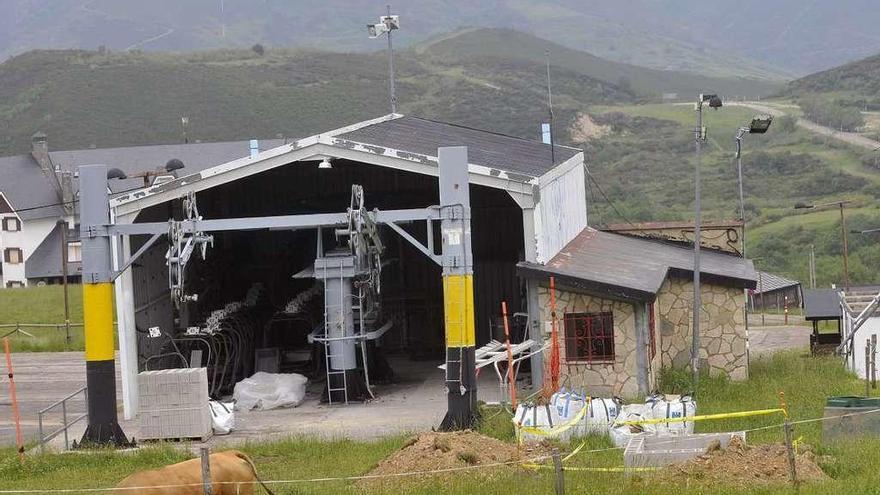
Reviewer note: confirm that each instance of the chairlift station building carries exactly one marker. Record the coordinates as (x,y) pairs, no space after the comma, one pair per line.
(528,222)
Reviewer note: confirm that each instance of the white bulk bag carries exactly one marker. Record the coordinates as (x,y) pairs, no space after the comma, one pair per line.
(222,417)
(270,390)
(541,416)
(672,406)
(622,434)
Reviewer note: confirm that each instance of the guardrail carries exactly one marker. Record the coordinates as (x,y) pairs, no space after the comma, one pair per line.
(65,425)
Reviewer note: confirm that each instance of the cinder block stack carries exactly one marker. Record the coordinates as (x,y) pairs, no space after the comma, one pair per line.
(174,404)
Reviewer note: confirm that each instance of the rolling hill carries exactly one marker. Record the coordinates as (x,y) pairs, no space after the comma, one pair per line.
(854,84)
(753,38)
(87,98)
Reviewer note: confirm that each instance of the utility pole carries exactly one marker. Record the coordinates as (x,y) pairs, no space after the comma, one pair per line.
(845,248)
(698,303)
(62,224)
(812,266)
(97,276)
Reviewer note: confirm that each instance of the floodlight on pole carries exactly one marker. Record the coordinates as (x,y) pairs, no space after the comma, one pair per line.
(386,24)
(759,125)
(714,101)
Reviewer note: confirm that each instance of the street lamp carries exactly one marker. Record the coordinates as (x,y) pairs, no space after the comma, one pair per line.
(839,204)
(386,24)
(758,125)
(699,136)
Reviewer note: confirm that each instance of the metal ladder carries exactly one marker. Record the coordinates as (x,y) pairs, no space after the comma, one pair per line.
(328,338)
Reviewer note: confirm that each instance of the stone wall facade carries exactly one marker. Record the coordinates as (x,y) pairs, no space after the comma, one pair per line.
(723,342)
(722,327)
(606,379)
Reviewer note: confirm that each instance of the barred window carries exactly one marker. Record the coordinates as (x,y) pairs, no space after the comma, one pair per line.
(589,337)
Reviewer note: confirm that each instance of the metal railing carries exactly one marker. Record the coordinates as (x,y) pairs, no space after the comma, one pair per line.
(65,425)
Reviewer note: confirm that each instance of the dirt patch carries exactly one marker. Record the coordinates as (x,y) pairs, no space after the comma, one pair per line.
(437,451)
(584,128)
(743,465)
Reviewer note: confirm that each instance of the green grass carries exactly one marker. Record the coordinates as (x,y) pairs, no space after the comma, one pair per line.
(806,381)
(42,305)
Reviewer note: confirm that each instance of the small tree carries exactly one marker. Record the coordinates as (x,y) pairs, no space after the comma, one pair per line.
(258,49)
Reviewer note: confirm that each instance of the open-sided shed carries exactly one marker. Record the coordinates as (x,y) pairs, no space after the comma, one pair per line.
(527,203)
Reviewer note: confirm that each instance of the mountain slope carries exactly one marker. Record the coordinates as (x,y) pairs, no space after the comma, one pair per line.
(856,83)
(83,98)
(471,44)
(680,35)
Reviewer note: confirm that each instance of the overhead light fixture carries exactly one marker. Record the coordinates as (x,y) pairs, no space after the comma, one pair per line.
(325,164)
(115,173)
(760,124)
(173,164)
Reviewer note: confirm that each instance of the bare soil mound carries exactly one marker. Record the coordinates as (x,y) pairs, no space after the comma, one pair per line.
(438,451)
(744,465)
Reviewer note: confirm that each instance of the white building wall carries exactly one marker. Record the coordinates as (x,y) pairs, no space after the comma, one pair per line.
(856,363)
(31,235)
(561,212)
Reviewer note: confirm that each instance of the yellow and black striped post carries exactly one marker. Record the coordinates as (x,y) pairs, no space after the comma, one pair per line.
(97,280)
(458,289)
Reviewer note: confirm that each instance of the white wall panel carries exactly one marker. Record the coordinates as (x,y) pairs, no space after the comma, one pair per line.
(561,212)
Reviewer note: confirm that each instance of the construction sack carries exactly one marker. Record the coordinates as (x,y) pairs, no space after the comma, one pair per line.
(622,434)
(672,406)
(598,418)
(222,417)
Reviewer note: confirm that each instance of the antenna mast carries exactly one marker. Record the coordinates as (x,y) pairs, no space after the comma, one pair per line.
(550,109)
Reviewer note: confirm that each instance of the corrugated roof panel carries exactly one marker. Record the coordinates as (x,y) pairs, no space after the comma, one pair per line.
(489,149)
(638,264)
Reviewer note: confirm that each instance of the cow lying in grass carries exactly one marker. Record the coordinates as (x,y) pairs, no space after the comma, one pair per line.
(232,473)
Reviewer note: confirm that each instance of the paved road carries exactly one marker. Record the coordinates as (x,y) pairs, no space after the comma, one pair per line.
(847,137)
(41,378)
(765,341)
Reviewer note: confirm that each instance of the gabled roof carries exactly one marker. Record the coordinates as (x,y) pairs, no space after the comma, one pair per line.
(770,282)
(45,261)
(633,267)
(394,141)
(23,183)
(489,149)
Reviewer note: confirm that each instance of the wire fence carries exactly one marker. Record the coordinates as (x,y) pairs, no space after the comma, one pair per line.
(535,463)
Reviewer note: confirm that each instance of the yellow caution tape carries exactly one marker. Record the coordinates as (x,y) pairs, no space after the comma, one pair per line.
(575,451)
(615,469)
(553,431)
(704,417)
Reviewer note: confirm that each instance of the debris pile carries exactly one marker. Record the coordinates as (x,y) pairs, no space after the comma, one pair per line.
(744,465)
(438,451)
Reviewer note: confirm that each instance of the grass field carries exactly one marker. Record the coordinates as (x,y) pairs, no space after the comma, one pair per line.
(806,381)
(42,305)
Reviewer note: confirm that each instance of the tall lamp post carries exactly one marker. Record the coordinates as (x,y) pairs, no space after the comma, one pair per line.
(699,136)
(386,24)
(839,204)
(758,125)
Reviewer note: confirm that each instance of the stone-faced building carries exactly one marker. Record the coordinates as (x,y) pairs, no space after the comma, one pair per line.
(623,307)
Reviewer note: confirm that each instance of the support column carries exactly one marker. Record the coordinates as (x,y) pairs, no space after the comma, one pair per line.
(97,282)
(533,307)
(125,327)
(458,289)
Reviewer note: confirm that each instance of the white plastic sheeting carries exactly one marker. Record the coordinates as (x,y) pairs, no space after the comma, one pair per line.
(270,390)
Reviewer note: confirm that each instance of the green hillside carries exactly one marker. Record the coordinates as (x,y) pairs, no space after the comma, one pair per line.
(86,98)
(644,164)
(856,84)
(473,44)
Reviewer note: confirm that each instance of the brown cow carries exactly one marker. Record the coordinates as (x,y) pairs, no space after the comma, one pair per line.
(232,473)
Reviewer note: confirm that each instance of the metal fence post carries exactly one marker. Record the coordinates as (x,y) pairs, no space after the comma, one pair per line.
(867,369)
(560,474)
(64,419)
(206,471)
(792,469)
(40,431)
(874,361)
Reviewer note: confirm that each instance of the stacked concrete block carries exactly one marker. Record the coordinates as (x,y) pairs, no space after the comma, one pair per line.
(659,451)
(174,404)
